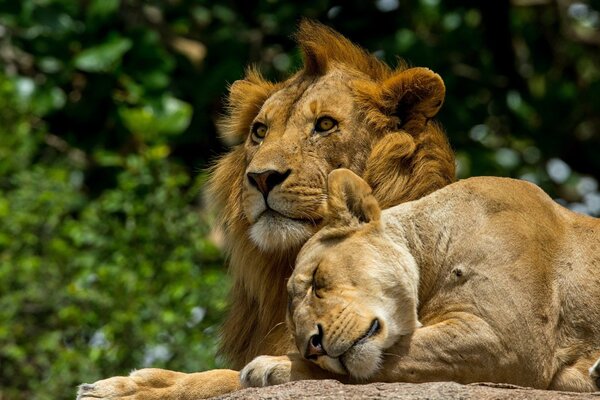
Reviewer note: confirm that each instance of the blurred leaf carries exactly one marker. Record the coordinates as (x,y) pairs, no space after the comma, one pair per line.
(103,8)
(169,117)
(50,65)
(104,57)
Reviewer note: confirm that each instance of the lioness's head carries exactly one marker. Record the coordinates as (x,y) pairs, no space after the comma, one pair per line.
(353,292)
(329,115)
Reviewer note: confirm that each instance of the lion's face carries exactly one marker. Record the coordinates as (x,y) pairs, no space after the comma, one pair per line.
(347,305)
(329,115)
(301,133)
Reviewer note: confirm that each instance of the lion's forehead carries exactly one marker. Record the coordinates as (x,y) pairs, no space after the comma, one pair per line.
(306,99)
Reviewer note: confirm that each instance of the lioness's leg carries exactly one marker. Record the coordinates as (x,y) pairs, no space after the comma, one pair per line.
(577,377)
(275,370)
(595,373)
(160,384)
(462,348)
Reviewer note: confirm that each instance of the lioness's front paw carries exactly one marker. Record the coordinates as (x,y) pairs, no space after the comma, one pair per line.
(595,373)
(266,371)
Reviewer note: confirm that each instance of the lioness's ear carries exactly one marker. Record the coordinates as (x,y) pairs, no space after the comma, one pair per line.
(246,97)
(414,95)
(350,201)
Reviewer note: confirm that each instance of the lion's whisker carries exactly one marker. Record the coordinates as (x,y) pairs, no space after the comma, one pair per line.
(391,354)
(270,330)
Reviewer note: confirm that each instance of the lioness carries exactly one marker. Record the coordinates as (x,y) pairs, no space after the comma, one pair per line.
(487,279)
(344,108)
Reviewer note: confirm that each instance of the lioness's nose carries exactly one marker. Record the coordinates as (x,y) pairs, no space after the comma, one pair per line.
(265,181)
(315,345)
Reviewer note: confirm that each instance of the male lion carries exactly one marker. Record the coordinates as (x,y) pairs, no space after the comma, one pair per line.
(486,279)
(345,108)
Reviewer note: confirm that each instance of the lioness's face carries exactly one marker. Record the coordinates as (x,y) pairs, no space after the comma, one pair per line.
(301,133)
(346,304)
(353,291)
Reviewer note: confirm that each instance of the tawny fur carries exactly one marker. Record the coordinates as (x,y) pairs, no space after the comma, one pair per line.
(385,134)
(485,280)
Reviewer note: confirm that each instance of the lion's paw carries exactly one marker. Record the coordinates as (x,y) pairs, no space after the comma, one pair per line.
(266,371)
(141,384)
(595,373)
(118,387)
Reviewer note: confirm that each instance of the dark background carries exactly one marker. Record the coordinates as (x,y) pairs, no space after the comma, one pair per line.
(107,110)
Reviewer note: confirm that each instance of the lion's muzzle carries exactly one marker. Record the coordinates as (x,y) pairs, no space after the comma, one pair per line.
(265,181)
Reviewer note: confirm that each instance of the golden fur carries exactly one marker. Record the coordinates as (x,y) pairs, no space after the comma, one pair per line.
(384,131)
(485,280)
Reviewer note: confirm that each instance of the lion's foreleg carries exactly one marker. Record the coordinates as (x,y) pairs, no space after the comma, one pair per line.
(155,384)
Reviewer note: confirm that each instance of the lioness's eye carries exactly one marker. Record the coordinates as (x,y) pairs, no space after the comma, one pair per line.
(259,131)
(314,284)
(325,124)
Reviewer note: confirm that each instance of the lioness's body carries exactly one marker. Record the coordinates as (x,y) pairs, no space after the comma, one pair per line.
(509,287)
(503,280)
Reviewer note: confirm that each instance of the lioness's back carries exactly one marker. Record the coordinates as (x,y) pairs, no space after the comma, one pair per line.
(554,252)
(495,197)
(521,261)
(522,214)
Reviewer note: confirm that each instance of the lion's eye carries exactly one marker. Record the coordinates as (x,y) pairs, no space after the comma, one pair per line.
(325,124)
(259,131)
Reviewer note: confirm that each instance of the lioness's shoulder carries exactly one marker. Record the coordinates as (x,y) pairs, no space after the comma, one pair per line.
(491,187)
(499,186)
(495,194)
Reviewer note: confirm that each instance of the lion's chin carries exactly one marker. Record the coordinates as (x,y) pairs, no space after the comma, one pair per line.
(275,233)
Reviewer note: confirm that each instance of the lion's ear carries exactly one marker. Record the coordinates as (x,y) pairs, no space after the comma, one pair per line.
(350,201)
(246,97)
(414,95)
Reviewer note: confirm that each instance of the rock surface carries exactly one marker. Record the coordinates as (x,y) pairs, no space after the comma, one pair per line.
(330,389)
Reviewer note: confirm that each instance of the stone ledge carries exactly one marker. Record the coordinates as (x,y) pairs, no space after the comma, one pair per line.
(330,389)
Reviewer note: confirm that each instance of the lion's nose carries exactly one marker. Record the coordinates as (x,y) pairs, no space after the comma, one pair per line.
(314,348)
(265,181)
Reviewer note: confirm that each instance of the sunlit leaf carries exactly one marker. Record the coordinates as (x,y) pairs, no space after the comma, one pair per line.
(169,117)
(104,57)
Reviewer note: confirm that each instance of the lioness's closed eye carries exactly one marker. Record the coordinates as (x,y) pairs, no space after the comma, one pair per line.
(501,278)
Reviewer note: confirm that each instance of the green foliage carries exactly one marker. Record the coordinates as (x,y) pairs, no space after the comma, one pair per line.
(95,285)
(169,117)
(105,57)
(106,124)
